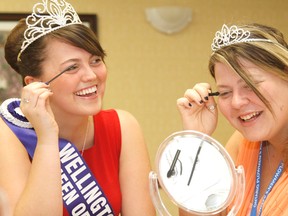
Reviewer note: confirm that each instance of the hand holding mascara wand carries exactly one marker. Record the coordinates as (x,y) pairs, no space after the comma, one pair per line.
(210,94)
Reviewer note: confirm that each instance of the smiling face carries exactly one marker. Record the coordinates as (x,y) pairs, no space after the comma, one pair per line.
(244,109)
(80,90)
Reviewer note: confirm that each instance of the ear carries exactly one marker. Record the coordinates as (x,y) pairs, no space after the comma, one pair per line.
(30,79)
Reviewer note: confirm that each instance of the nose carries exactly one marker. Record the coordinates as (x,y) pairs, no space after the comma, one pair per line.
(89,74)
(239,99)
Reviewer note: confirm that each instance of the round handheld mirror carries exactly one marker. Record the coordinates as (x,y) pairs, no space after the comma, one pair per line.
(197,174)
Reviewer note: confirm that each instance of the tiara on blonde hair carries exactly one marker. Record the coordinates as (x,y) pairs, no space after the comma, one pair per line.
(233,35)
(46,17)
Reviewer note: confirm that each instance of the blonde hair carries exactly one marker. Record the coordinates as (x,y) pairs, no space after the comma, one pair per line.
(270,55)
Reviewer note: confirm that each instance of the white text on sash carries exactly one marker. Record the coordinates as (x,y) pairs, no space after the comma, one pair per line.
(76,180)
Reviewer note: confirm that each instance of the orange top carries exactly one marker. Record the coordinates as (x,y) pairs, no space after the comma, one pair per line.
(276,203)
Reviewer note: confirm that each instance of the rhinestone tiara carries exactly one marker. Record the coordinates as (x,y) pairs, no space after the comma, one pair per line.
(46,17)
(233,35)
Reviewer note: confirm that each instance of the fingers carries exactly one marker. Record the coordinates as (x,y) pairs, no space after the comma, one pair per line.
(183,102)
(199,93)
(34,94)
(198,110)
(199,97)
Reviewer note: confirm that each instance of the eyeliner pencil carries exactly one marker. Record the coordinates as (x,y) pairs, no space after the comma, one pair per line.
(195,161)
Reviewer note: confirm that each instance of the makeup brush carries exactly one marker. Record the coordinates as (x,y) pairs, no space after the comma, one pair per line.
(67,69)
(211,94)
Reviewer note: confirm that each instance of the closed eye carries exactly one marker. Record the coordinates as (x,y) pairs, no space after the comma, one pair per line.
(224,93)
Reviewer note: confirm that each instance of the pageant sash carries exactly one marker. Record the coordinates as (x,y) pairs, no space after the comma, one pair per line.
(81,192)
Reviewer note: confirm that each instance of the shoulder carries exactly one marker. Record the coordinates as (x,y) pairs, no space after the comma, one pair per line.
(10,145)
(130,127)
(126,118)
(127,122)
(233,144)
(4,127)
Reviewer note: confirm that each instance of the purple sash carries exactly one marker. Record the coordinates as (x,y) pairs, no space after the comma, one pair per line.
(81,192)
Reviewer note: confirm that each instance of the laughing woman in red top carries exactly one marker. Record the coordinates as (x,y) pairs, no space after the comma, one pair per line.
(59,149)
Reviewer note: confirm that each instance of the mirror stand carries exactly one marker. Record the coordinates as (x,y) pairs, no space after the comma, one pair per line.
(240,191)
(162,210)
(155,195)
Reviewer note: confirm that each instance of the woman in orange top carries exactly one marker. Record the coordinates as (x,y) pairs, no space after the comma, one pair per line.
(250,66)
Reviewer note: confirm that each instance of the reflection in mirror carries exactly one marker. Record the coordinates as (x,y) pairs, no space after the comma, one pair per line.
(196,172)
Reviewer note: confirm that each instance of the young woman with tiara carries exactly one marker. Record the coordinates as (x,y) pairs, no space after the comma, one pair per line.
(250,66)
(60,152)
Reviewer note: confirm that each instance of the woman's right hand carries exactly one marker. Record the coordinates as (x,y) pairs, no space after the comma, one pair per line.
(198,110)
(36,108)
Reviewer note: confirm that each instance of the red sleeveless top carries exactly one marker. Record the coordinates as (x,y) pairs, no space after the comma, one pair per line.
(103,158)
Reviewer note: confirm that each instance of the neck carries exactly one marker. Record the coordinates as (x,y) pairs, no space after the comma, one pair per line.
(275,150)
(279,142)
(78,131)
(272,156)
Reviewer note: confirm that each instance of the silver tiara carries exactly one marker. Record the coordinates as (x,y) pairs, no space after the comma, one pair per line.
(232,35)
(47,17)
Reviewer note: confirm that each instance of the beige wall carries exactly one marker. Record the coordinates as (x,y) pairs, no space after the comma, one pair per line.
(149,70)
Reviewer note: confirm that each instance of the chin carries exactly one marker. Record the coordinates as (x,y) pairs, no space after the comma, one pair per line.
(252,135)
(96,109)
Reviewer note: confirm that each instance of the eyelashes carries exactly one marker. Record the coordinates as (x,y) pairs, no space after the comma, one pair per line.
(67,69)
(72,67)
(95,61)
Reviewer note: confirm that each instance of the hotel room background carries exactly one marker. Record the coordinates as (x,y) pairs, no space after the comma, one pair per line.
(148,69)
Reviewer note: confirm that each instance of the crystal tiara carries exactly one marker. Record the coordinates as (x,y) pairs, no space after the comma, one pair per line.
(233,35)
(47,17)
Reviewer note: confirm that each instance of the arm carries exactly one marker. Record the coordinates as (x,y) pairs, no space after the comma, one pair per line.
(134,169)
(32,188)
